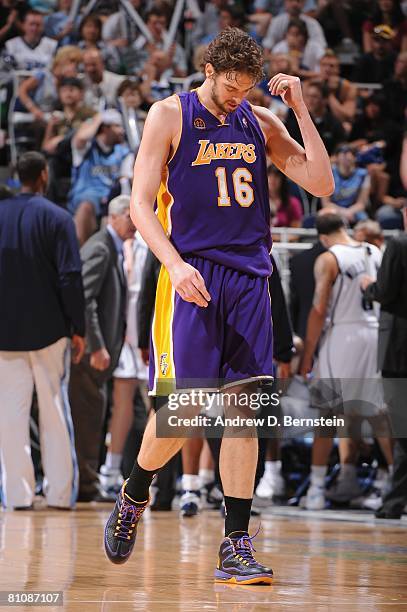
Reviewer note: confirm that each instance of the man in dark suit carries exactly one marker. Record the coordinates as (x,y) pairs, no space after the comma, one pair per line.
(105,299)
(390,290)
(41,309)
(302,287)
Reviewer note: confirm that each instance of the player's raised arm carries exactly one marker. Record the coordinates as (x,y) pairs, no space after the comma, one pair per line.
(160,138)
(309,166)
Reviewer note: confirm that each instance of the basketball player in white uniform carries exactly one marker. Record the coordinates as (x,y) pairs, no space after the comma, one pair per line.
(346,329)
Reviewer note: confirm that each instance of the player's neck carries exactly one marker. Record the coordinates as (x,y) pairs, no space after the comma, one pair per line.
(205,97)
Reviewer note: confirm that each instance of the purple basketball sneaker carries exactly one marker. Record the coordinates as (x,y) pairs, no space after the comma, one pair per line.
(236,563)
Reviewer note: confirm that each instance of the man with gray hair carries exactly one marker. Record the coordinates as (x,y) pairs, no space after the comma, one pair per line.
(105,312)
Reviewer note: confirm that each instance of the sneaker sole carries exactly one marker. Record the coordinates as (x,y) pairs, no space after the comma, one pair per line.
(224,578)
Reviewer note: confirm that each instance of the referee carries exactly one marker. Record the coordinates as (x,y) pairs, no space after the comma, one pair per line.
(41,310)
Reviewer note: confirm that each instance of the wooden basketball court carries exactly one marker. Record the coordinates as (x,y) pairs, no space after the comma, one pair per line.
(322,561)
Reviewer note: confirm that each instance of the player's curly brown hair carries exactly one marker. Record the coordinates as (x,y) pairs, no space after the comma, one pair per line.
(235,51)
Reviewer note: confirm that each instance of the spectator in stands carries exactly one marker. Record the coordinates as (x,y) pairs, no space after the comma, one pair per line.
(130,91)
(118,29)
(90,37)
(100,84)
(369,231)
(31,50)
(378,141)
(352,187)
(11,17)
(376,65)
(386,12)
(166,64)
(329,128)
(342,94)
(207,23)
(229,17)
(286,210)
(98,154)
(105,301)
(278,26)
(396,89)
(341,23)
(58,25)
(39,93)
(305,53)
(41,308)
(69,116)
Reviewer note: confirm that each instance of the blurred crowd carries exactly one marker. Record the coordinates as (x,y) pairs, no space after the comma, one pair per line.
(79,84)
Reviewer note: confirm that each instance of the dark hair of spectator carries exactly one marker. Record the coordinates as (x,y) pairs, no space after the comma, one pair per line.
(5,192)
(95,20)
(71,82)
(377,98)
(156,12)
(284,193)
(132,83)
(29,167)
(300,25)
(318,85)
(330,223)
(235,51)
(237,14)
(396,15)
(32,12)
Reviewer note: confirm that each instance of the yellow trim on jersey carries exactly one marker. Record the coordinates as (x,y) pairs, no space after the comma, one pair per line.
(164,370)
(164,204)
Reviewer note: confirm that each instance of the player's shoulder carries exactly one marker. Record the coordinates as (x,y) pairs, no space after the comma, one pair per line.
(268,120)
(166,108)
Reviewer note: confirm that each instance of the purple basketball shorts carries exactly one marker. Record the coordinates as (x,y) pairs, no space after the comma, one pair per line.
(229,342)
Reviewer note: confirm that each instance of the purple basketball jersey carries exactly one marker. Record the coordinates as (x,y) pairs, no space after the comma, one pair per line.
(214,201)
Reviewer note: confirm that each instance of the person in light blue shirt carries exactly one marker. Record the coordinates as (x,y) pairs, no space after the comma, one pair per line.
(352,187)
(98,155)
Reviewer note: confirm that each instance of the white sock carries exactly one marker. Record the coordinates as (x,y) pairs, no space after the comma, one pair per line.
(318,473)
(390,469)
(206,476)
(191,482)
(113,460)
(272,468)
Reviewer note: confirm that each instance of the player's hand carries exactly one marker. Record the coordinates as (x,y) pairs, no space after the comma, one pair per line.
(283,369)
(189,284)
(305,366)
(288,87)
(77,348)
(100,360)
(365,281)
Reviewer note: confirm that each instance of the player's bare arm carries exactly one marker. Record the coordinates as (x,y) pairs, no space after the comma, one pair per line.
(160,139)
(309,166)
(325,273)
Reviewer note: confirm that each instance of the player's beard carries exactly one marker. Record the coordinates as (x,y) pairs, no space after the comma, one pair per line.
(216,101)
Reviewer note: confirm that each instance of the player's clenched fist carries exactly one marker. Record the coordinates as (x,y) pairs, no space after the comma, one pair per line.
(288,87)
(190,285)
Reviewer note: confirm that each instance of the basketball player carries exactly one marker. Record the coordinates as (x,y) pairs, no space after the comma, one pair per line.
(204,154)
(346,329)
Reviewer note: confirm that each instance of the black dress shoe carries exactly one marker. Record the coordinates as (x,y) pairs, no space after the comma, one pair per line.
(382,513)
(23,508)
(95,496)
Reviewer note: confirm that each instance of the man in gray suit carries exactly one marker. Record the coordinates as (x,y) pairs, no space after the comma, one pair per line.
(105,298)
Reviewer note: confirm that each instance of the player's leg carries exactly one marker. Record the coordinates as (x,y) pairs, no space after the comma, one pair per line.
(51,367)
(190,502)
(120,424)
(236,563)
(16,390)
(321,449)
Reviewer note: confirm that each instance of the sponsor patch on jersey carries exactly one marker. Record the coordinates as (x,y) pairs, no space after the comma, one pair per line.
(163,363)
(199,123)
